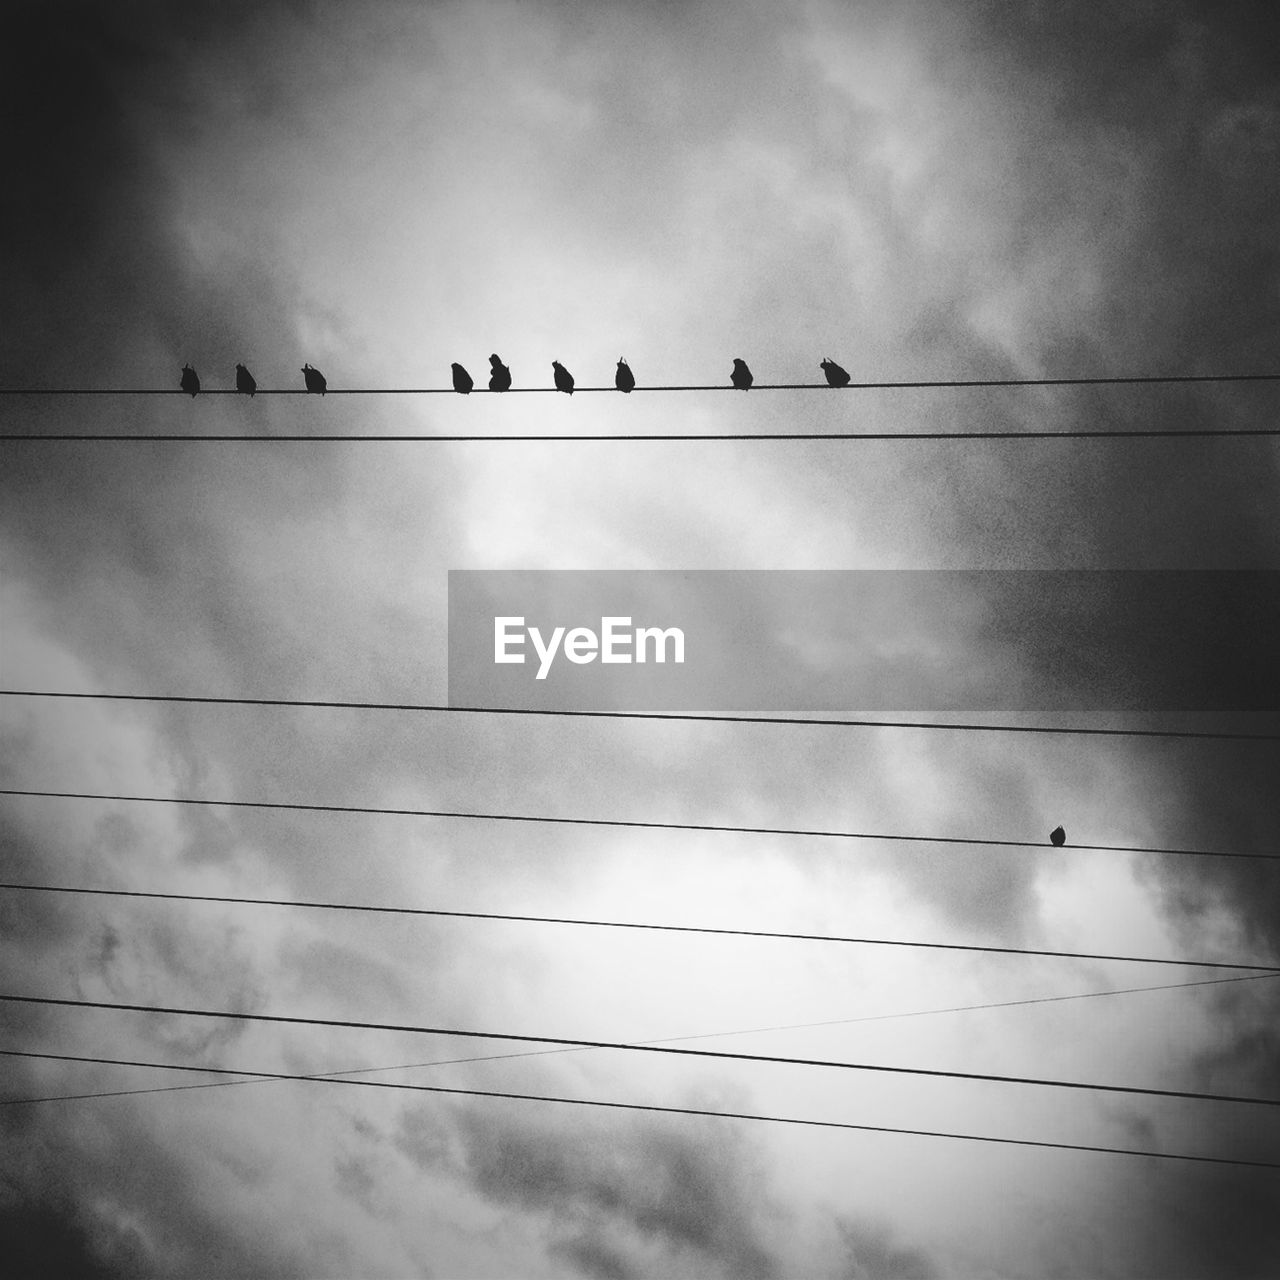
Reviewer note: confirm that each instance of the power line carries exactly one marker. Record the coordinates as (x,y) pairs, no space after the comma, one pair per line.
(637,823)
(624,924)
(325,704)
(119,437)
(591,1102)
(706,1035)
(1168,433)
(973,1008)
(916,384)
(638,1048)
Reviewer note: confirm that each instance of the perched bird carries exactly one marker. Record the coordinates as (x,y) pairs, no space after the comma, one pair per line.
(836,376)
(462,383)
(500,377)
(624,379)
(190,381)
(314,379)
(245,381)
(742,378)
(564,379)
(1057,837)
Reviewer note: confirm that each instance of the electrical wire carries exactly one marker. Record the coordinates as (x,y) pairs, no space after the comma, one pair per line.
(619,1106)
(684,717)
(120,1007)
(14,887)
(916,384)
(637,823)
(119,437)
(705,1035)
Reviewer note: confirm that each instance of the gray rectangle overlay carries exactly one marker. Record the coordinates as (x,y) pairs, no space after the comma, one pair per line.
(841,641)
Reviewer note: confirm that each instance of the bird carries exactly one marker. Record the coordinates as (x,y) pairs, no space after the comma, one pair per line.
(500,378)
(190,381)
(245,381)
(1057,837)
(742,378)
(624,379)
(564,379)
(462,383)
(836,376)
(314,379)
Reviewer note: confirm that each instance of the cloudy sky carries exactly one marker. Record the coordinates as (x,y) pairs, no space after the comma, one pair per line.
(919,190)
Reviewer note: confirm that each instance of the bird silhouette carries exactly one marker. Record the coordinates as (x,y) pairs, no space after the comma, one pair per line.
(190,381)
(500,377)
(742,378)
(314,379)
(624,379)
(1057,837)
(836,376)
(462,383)
(564,379)
(245,381)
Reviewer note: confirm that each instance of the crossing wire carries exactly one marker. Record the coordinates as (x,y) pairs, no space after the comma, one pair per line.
(1263,969)
(636,823)
(706,1035)
(673,1040)
(618,1106)
(719,1054)
(684,717)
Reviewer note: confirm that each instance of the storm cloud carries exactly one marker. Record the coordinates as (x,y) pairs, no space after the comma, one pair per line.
(917,191)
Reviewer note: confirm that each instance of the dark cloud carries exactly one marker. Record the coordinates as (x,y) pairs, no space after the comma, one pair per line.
(1220,797)
(124,1207)
(40,1239)
(41,923)
(1200,1223)
(1143,131)
(1119,241)
(1188,97)
(355,1179)
(1103,185)
(873,1254)
(594,1257)
(87,241)
(613,1191)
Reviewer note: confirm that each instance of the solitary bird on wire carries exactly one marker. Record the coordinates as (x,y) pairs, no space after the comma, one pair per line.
(836,376)
(314,379)
(564,379)
(1057,837)
(742,378)
(190,381)
(500,377)
(462,383)
(245,381)
(624,379)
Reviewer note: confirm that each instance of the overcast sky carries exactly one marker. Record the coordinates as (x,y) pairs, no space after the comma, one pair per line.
(918,190)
